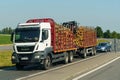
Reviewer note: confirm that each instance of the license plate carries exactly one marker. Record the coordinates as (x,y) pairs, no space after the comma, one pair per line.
(24,58)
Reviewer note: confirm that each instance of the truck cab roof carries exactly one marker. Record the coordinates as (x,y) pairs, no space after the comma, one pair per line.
(27,25)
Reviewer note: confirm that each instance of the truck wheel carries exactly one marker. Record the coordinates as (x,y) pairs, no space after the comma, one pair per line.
(70,56)
(47,63)
(66,58)
(19,66)
(95,52)
(92,52)
(84,53)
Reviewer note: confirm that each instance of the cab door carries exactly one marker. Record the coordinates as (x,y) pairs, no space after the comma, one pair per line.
(45,39)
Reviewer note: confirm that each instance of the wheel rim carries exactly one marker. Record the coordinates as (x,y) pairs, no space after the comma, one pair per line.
(71,57)
(66,58)
(85,55)
(48,62)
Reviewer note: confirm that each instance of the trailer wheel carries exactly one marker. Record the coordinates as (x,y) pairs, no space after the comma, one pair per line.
(47,63)
(94,50)
(19,66)
(66,58)
(84,53)
(70,56)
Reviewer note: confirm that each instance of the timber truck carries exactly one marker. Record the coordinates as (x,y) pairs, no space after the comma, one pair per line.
(43,42)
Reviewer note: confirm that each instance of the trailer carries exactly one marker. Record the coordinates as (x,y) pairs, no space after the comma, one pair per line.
(43,42)
(85,38)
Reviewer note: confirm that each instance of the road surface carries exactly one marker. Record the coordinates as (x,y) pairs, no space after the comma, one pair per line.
(109,72)
(60,71)
(6,47)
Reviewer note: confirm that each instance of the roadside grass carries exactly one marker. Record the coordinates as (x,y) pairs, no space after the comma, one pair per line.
(5,58)
(5,39)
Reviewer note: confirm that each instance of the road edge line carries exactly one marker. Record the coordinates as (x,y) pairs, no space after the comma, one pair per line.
(85,74)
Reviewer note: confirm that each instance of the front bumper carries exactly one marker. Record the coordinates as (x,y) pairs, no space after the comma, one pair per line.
(25,59)
(101,50)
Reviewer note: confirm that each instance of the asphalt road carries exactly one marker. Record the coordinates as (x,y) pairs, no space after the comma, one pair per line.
(67,73)
(109,72)
(6,47)
(11,73)
(58,71)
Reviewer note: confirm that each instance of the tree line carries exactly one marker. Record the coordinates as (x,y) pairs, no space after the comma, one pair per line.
(7,30)
(106,34)
(99,31)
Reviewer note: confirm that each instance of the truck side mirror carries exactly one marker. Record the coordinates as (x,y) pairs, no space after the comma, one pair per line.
(12,36)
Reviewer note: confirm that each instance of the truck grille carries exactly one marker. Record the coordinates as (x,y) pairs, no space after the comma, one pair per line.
(25,48)
(27,61)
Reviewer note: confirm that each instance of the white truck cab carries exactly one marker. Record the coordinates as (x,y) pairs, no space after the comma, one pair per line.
(31,41)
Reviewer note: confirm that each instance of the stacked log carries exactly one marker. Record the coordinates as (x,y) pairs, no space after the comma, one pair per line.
(66,40)
(85,37)
(63,38)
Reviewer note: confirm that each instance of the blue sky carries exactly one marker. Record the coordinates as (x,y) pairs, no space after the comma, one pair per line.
(104,13)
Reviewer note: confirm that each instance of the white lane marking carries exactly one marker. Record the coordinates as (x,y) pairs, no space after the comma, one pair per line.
(85,74)
(32,75)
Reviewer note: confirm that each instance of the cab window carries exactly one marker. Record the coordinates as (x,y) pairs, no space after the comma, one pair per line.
(44,34)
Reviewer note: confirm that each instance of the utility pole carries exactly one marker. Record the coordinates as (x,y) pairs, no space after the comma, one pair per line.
(115,45)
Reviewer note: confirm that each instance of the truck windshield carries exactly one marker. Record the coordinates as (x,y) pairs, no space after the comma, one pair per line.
(27,34)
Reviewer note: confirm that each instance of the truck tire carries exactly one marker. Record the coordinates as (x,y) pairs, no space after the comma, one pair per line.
(95,51)
(84,54)
(46,63)
(65,61)
(71,56)
(19,66)
(92,52)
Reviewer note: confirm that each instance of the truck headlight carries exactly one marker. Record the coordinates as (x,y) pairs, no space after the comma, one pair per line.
(13,57)
(37,57)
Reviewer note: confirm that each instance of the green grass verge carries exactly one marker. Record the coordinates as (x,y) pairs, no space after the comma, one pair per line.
(5,39)
(5,58)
